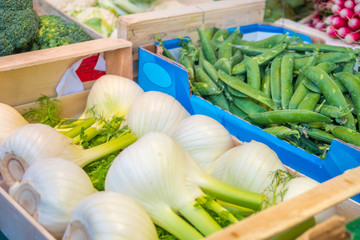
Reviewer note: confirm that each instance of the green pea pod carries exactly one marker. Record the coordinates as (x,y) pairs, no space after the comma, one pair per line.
(275,81)
(206,47)
(320,135)
(209,32)
(220,101)
(269,42)
(311,61)
(246,89)
(210,70)
(201,58)
(221,34)
(250,51)
(352,84)
(303,62)
(346,134)
(187,63)
(225,50)
(327,67)
(166,52)
(311,86)
(236,58)
(265,83)
(204,89)
(330,90)
(298,96)
(349,67)
(282,132)
(305,47)
(335,57)
(286,77)
(252,72)
(309,102)
(260,59)
(288,116)
(237,111)
(248,106)
(235,93)
(223,64)
(201,76)
(330,111)
(350,103)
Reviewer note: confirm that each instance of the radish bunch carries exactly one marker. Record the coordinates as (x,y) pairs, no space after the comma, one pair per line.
(338,18)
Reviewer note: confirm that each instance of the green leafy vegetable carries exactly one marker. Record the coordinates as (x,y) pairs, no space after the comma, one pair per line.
(47,111)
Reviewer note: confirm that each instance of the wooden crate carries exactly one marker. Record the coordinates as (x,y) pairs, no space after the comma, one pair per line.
(23,77)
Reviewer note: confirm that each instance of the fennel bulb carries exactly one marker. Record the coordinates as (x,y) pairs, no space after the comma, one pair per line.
(299,185)
(50,190)
(10,120)
(153,173)
(247,166)
(204,138)
(155,112)
(35,142)
(109,215)
(110,96)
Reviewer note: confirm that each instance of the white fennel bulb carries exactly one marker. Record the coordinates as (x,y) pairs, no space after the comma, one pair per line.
(112,95)
(50,190)
(34,142)
(204,138)
(155,112)
(109,216)
(28,144)
(10,120)
(248,166)
(299,185)
(152,171)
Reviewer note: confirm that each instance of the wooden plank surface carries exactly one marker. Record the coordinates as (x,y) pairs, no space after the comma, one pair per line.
(287,214)
(27,76)
(60,53)
(17,224)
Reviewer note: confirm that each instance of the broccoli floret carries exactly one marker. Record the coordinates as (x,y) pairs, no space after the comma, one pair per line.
(20,28)
(16,4)
(6,48)
(54,32)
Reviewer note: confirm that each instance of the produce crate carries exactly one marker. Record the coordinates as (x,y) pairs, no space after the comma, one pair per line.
(16,223)
(159,73)
(140,28)
(24,77)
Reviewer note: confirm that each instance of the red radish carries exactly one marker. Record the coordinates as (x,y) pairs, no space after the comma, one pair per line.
(338,22)
(336,9)
(342,32)
(354,23)
(357,9)
(357,1)
(352,37)
(339,2)
(319,26)
(328,19)
(349,4)
(346,13)
(331,31)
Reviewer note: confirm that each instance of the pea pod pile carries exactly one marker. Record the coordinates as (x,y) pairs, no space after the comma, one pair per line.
(306,94)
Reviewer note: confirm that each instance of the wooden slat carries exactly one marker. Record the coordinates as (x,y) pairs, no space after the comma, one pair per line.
(27,76)
(17,224)
(289,213)
(60,53)
(331,229)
